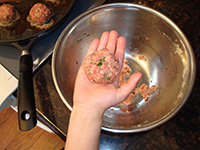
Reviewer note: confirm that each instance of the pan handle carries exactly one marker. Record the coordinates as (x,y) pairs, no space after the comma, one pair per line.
(26,101)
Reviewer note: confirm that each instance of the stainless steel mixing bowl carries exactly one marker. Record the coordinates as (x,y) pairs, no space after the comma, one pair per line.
(169,62)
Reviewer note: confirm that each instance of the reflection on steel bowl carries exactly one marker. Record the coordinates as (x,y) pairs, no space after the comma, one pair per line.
(155,46)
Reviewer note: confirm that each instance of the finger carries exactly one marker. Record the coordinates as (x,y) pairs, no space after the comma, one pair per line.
(93,47)
(128,86)
(112,41)
(103,40)
(120,50)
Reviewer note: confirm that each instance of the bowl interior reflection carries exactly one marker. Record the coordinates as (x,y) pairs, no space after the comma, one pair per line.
(169,62)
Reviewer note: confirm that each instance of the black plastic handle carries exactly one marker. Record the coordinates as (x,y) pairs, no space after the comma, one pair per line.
(26,100)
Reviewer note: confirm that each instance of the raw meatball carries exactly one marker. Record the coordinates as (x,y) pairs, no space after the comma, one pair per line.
(101,67)
(40,13)
(8,14)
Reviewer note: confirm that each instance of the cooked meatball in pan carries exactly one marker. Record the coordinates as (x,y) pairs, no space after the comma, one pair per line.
(8,15)
(101,67)
(40,16)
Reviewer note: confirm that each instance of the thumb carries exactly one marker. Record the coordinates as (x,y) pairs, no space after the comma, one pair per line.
(126,88)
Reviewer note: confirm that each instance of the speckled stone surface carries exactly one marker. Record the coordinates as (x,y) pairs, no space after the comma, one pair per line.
(182,132)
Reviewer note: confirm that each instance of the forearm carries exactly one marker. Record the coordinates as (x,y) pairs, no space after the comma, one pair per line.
(84,129)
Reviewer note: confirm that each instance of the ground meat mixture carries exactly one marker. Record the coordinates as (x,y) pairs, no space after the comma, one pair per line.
(40,16)
(144,90)
(8,15)
(101,67)
(125,72)
(142,57)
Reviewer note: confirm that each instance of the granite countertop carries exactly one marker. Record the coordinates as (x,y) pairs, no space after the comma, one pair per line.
(181,132)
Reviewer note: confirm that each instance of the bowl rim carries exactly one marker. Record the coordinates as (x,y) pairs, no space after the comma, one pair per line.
(165,118)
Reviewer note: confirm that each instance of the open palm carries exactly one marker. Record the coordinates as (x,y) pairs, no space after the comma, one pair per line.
(91,95)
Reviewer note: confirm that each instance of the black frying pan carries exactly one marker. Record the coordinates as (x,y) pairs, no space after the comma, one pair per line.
(23,36)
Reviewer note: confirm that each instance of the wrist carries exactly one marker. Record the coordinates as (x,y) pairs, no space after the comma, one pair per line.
(84,112)
(85,127)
